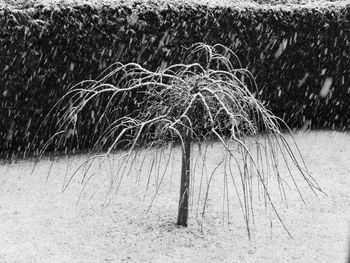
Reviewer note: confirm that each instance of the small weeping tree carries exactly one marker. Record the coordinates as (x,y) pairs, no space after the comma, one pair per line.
(209,97)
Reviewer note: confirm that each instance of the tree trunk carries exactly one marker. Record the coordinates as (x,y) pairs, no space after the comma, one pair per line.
(185,182)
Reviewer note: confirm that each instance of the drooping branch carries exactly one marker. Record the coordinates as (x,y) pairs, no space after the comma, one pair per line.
(205,98)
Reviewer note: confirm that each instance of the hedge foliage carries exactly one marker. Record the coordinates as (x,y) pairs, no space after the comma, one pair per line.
(300,57)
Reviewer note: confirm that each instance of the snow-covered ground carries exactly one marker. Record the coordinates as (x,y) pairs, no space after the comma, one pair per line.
(40,224)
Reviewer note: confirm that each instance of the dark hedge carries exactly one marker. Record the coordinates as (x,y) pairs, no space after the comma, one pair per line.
(300,58)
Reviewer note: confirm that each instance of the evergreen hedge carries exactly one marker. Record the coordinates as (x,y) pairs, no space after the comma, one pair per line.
(300,57)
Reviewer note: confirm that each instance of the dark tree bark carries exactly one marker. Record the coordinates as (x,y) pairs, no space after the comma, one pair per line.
(185,182)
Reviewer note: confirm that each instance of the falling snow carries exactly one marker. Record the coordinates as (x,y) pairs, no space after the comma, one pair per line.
(326,87)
